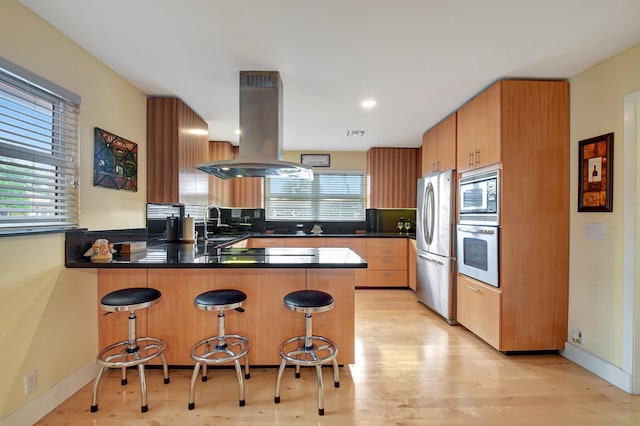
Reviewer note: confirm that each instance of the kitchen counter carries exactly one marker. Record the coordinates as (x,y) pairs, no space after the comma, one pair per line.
(182,271)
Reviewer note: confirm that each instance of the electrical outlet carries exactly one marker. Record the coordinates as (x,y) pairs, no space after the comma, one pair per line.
(30,382)
(576,337)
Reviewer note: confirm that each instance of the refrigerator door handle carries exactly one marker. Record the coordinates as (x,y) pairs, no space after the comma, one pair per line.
(429,258)
(429,212)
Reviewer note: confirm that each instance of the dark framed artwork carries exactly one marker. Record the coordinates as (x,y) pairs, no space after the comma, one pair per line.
(115,163)
(595,180)
(316,160)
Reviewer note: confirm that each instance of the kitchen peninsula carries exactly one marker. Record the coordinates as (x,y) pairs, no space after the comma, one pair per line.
(266,275)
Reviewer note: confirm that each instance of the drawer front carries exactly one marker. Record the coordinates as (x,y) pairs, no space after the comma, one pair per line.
(387,251)
(267,242)
(313,242)
(387,263)
(386,278)
(359,245)
(387,245)
(478,309)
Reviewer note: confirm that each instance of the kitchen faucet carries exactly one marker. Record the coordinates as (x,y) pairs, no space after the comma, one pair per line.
(206,219)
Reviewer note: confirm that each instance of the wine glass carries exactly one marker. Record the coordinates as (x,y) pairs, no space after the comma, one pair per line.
(407,226)
(400,226)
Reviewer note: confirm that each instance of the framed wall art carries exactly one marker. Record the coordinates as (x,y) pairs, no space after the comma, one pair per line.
(316,160)
(115,163)
(595,180)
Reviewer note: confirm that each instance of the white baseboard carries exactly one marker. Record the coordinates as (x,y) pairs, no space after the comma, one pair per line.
(607,371)
(43,404)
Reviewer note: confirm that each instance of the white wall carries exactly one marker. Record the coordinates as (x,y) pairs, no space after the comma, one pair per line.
(596,274)
(48,314)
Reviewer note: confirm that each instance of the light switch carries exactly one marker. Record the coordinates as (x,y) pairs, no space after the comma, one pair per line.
(594,231)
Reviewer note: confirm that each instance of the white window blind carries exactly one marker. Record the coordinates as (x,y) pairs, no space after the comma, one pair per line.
(328,197)
(38,156)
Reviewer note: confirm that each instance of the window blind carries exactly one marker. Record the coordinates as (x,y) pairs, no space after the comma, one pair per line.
(329,197)
(38,157)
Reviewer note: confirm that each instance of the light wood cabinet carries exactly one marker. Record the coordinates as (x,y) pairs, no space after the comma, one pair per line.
(387,262)
(173,150)
(533,140)
(479,130)
(266,242)
(478,309)
(392,175)
(439,146)
(312,242)
(359,246)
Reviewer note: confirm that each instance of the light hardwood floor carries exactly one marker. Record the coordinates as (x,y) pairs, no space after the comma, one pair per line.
(411,369)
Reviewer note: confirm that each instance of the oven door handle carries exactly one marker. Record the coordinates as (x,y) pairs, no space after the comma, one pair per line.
(474,230)
(431,259)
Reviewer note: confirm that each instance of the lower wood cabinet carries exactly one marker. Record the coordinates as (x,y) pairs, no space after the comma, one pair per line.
(387,262)
(478,309)
(387,258)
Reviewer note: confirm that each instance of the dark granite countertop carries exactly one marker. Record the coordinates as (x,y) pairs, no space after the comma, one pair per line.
(176,255)
(215,252)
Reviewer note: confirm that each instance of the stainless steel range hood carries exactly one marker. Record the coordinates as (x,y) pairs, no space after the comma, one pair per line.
(261,132)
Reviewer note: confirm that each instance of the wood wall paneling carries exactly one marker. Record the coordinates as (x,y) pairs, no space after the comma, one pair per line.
(392,177)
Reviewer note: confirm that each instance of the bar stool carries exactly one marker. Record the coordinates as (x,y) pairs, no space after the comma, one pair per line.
(308,350)
(129,353)
(223,347)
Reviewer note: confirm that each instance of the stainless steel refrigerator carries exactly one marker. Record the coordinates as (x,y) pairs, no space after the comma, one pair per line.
(435,243)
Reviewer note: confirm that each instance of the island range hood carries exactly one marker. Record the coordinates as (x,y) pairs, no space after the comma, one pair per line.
(260,151)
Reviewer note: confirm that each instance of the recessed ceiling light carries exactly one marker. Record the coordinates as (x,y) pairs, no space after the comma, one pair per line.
(237,131)
(368,103)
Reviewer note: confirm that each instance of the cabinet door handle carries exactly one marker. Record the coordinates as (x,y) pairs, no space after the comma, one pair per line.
(472,288)
(470,158)
(477,156)
(433,166)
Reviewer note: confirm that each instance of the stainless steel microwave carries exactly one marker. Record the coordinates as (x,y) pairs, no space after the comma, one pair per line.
(479,198)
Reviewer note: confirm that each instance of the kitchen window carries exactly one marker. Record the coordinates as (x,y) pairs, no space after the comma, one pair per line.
(38,153)
(328,197)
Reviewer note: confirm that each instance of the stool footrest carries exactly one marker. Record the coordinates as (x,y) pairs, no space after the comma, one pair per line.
(236,347)
(293,355)
(154,347)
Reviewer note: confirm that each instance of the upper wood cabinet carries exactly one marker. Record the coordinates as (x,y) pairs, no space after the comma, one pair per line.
(479,131)
(439,146)
(176,142)
(392,175)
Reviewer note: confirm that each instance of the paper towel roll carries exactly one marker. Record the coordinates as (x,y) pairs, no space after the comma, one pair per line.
(188,229)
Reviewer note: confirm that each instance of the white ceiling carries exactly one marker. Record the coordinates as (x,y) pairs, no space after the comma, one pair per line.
(420,59)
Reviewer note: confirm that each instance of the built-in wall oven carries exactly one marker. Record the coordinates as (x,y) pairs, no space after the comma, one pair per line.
(478,252)
(478,226)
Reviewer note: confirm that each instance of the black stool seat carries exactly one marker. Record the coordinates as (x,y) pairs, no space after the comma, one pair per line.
(130,299)
(308,301)
(220,300)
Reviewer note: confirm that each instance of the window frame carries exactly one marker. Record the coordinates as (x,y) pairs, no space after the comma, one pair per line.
(42,157)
